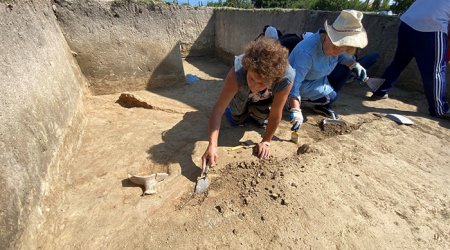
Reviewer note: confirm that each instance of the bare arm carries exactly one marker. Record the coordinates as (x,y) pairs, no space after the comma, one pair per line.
(229,90)
(276,113)
(294,102)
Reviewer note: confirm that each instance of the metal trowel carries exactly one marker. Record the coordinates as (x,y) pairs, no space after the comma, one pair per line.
(374,83)
(399,119)
(202,183)
(333,121)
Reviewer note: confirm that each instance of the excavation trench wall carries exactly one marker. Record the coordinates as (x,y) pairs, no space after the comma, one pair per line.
(41,114)
(134,46)
(44,47)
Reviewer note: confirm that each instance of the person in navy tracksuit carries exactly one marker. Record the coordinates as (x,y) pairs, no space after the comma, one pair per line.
(423,34)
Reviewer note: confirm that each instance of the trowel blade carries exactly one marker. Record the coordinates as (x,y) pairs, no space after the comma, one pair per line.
(334,122)
(202,182)
(400,119)
(202,185)
(375,83)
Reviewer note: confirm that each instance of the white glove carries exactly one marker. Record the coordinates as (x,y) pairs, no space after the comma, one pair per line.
(296,117)
(360,72)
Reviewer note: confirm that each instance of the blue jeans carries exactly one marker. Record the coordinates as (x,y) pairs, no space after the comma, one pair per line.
(342,73)
(326,101)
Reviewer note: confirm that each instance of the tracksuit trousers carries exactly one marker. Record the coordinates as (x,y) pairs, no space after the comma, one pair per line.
(429,49)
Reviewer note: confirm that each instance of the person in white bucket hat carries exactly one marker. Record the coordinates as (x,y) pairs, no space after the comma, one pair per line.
(347,30)
(315,57)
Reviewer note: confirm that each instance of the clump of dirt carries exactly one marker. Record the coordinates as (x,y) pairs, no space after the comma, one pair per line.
(254,179)
(244,186)
(129,100)
(330,129)
(305,149)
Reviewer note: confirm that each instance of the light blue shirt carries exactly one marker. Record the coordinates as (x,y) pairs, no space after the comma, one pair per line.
(428,15)
(312,67)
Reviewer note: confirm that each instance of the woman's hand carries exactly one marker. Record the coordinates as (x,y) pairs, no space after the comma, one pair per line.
(263,149)
(210,157)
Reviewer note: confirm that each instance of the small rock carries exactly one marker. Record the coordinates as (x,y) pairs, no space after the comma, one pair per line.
(294,184)
(284,202)
(235,232)
(305,148)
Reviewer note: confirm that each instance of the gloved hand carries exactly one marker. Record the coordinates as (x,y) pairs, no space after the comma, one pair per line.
(360,72)
(296,117)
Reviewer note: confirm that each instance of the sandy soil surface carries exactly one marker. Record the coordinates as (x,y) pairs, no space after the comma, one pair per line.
(373,185)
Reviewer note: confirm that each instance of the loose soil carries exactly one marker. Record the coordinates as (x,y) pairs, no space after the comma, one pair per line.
(373,184)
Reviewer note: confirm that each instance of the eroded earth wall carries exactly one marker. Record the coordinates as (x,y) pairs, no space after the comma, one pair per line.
(123,45)
(235,28)
(40,113)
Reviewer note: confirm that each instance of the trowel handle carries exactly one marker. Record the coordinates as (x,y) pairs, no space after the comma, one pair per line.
(361,82)
(333,115)
(205,171)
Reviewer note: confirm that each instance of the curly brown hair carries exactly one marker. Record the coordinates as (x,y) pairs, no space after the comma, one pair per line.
(267,58)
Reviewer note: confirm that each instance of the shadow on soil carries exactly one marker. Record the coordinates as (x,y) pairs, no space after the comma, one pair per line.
(355,96)
(127,183)
(179,142)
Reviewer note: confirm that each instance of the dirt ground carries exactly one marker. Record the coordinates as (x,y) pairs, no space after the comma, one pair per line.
(373,185)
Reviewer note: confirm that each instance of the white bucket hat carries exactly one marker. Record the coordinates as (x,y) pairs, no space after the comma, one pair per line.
(347,30)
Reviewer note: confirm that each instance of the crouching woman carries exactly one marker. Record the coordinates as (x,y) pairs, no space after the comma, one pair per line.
(255,89)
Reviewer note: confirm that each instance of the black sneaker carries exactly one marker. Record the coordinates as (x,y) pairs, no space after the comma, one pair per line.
(377,97)
(326,111)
